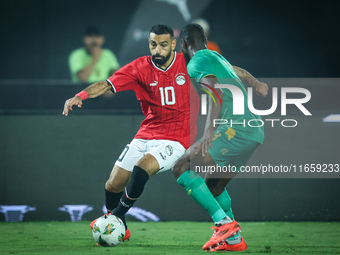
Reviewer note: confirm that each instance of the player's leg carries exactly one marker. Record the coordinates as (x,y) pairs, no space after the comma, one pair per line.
(236,242)
(236,153)
(161,155)
(196,187)
(122,171)
(217,188)
(115,186)
(134,189)
(121,175)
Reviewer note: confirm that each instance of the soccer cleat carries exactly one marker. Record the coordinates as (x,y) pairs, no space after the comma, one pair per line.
(92,223)
(242,246)
(127,234)
(221,234)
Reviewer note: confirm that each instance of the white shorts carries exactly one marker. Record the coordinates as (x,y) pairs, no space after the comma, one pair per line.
(166,153)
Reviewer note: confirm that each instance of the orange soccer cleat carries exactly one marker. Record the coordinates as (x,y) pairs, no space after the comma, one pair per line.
(92,223)
(127,234)
(221,234)
(242,246)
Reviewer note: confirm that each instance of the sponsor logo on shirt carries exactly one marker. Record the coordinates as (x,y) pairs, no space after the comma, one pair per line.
(154,83)
(180,78)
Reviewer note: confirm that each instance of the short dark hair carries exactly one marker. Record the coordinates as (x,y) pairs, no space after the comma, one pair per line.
(92,31)
(193,34)
(161,29)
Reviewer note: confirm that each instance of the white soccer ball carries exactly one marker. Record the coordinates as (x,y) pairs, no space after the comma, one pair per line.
(108,230)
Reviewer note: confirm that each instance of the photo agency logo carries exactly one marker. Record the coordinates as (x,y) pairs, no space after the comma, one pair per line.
(239,105)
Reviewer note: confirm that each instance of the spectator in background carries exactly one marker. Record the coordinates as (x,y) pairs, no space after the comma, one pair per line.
(206,28)
(92,63)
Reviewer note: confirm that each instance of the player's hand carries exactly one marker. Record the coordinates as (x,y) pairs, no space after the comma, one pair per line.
(261,89)
(71,102)
(206,141)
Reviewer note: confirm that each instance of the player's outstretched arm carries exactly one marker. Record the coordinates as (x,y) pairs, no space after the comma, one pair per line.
(214,110)
(261,88)
(92,91)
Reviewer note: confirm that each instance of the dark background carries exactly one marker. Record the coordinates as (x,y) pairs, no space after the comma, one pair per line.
(269,38)
(47,160)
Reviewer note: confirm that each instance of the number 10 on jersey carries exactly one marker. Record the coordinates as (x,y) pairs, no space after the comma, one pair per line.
(167,95)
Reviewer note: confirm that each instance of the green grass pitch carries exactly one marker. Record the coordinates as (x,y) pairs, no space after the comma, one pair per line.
(168,238)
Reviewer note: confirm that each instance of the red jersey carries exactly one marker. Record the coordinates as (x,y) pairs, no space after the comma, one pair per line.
(165,97)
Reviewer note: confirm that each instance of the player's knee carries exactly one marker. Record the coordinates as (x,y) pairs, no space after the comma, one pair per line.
(110,186)
(149,164)
(216,186)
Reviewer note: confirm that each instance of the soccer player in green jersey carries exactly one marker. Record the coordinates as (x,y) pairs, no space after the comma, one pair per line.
(231,144)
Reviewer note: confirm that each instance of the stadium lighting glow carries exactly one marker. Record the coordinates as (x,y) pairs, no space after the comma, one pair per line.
(332,118)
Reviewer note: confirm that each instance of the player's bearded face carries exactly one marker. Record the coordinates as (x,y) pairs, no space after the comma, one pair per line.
(159,59)
(161,47)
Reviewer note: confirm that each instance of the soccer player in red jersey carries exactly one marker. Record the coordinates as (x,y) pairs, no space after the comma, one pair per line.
(162,85)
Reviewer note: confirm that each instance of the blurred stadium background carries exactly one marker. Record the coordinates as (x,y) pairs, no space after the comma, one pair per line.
(47,160)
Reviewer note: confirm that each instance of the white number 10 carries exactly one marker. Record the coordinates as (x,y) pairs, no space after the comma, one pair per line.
(165,95)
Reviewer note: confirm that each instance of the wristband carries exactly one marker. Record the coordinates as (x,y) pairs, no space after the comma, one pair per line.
(83,95)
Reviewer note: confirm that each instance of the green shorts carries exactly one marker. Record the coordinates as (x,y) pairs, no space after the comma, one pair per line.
(229,148)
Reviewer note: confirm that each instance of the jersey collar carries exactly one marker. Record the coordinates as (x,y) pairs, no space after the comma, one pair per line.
(164,70)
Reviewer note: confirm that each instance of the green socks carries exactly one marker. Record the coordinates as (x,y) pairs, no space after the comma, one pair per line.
(218,207)
(199,191)
(225,202)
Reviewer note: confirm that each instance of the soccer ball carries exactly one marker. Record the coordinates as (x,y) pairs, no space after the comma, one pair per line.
(108,230)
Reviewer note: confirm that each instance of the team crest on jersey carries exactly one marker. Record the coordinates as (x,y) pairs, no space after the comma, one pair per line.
(180,78)
(169,150)
(224,151)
